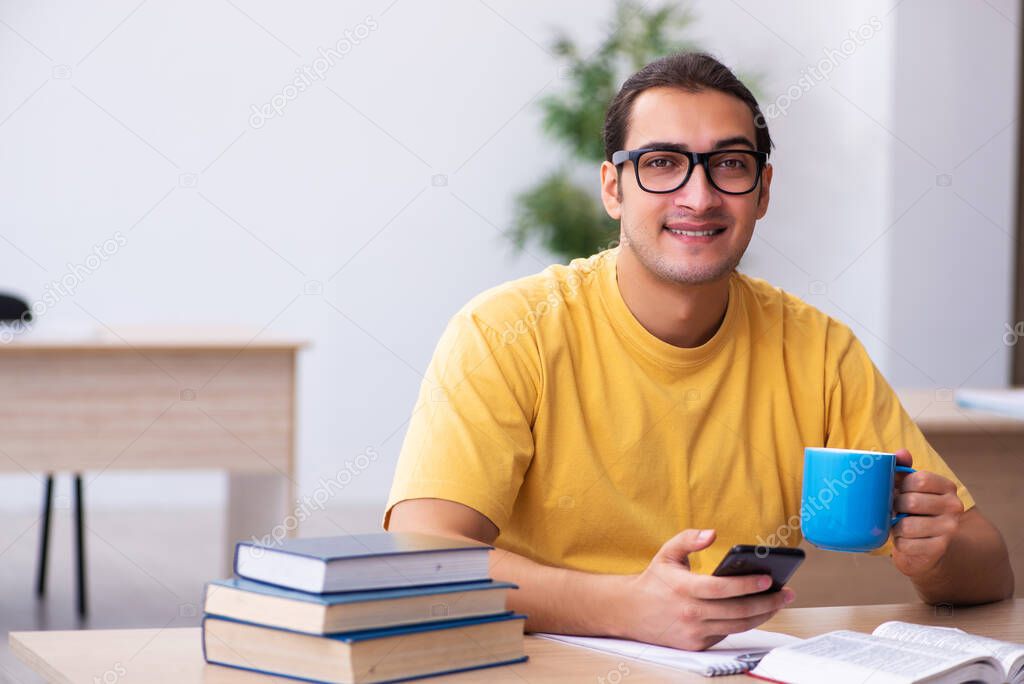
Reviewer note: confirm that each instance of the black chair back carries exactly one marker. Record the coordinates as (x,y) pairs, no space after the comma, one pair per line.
(14,309)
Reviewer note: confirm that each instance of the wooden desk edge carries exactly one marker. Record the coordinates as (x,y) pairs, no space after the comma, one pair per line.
(29,657)
(1003,618)
(161,345)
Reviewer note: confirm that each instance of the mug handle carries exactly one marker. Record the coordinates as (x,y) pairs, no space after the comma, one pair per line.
(901,516)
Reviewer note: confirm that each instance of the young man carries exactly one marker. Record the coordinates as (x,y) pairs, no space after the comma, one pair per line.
(580,418)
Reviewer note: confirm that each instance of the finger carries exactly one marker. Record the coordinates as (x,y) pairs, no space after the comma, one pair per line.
(924,526)
(711,587)
(932,547)
(717,627)
(924,481)
(903,458)
(745,606)
(680,546)
(918,503)
(702,643)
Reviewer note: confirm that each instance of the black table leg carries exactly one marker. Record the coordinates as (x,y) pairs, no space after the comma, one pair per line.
(44,539)
(80,545)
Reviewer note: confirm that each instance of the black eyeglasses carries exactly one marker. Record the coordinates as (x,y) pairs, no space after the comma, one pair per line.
(660,170)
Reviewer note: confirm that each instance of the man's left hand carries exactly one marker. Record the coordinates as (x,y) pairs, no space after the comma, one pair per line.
(921,539)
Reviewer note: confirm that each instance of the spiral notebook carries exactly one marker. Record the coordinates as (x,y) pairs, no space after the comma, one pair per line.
(720,659)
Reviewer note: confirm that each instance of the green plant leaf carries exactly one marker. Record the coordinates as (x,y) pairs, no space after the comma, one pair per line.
(575,119)
(563,217)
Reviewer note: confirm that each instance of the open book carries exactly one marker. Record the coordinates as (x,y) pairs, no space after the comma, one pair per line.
(896,653)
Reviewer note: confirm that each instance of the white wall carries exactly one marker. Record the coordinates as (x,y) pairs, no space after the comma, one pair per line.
(955,147)
(137,118)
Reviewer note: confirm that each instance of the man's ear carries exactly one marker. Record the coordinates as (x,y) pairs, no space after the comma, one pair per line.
(611,193)
(765,191)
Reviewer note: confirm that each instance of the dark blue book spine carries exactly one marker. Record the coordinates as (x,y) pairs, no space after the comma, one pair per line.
(383,681)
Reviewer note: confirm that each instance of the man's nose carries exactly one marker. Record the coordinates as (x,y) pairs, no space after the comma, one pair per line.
(698,194)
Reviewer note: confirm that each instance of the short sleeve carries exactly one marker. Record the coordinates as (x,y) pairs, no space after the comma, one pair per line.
(863,412)
(470,437)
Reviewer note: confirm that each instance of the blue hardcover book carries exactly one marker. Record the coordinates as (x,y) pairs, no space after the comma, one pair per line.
(250,601)
(368,656)
(362,561)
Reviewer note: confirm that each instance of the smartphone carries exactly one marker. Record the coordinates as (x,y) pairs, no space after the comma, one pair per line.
(778,561)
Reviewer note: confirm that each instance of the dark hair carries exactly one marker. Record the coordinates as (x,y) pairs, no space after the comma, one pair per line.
(689,71)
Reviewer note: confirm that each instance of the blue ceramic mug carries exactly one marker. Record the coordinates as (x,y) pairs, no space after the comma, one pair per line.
(847,498)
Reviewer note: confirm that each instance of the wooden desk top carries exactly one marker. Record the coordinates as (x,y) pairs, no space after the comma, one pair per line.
(935,412)
(152,338)
(156,656)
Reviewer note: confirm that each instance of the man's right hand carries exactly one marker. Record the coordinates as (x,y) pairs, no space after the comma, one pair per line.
(667,604)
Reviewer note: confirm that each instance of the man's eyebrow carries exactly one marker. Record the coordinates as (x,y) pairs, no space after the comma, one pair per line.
(721,144)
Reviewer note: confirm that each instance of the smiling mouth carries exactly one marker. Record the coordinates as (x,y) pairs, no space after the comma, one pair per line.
(696,233)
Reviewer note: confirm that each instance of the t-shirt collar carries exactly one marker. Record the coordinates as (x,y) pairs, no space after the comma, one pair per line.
(657,349)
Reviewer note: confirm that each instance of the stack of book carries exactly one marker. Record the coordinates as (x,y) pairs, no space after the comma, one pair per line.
(362,608)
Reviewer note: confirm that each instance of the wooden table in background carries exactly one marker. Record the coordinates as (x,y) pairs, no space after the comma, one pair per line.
(986,451)
(157,656)
(180,401)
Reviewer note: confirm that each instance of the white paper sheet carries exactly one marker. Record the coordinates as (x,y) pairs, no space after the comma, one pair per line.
(1004,402)
(720,659)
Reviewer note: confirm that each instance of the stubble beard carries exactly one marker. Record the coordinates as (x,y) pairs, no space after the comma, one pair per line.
(675,270)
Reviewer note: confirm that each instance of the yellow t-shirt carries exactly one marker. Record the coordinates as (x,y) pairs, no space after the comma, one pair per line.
(589,442)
